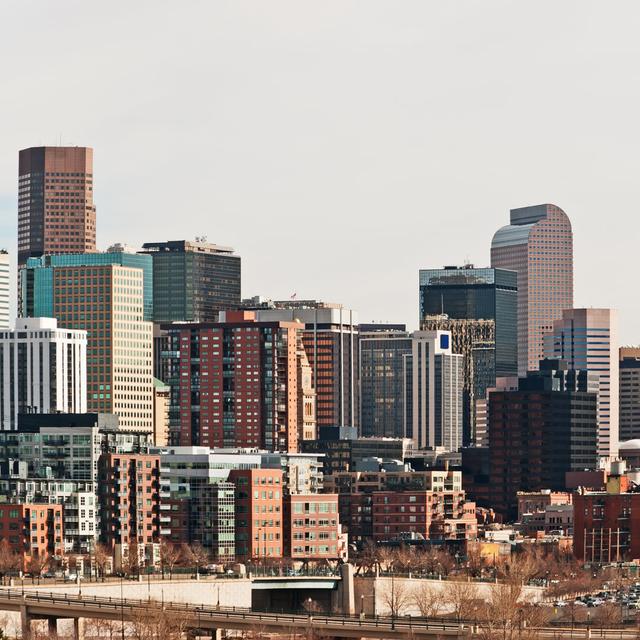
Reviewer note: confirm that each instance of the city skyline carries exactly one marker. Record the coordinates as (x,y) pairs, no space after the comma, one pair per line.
(407,161)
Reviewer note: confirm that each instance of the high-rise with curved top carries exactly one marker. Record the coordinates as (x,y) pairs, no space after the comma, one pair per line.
(538,244)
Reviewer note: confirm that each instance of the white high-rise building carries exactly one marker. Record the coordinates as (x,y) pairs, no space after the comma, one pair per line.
(43,369)
(588,339)
(5,289)
(433,392)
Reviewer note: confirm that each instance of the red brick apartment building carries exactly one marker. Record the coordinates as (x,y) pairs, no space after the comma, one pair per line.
(129,496)
(32,530)
(312,527)
(259,514)
(233,383)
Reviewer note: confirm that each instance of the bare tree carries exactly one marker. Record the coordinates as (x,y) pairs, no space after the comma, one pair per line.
(102,558)
(369,558)
(10,561)
(170,556)
(428,600)
(37,564)
(194,555)
(396,597)
(608,615)
(461,598)
(157,623)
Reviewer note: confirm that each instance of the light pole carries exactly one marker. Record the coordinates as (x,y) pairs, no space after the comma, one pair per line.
(122,607)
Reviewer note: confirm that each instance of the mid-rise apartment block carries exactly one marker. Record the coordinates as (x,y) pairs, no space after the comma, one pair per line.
(587,339)
(96,293)
(193,280)
(33,531)
(129,498)
(78,500)
(538,245)
(56,213)
(629,396)
(259,514)
(233,383)
(394,505)
(312,527)
(43,369)
(5,290)
(541,431)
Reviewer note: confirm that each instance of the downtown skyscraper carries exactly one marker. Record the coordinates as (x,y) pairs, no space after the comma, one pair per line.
(587,339)
(56,213)
(5,289)
(538,244)
(479,307)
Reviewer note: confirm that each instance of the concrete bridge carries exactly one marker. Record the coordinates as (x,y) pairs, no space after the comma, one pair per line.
(32,605)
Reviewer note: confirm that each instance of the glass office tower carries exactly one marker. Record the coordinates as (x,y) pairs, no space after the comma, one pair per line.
(479,308)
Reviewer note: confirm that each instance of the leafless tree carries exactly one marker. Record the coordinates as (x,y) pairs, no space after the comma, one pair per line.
(194,555)
(102,557)
(428,600)
(505,616)
(10,561)
(37,564)
(157,623)
(461,598)
(170,556)
(369,558)
(396,597)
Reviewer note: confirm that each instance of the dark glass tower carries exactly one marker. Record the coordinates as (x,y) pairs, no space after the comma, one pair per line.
(465,293)
(479,308)
(193,281)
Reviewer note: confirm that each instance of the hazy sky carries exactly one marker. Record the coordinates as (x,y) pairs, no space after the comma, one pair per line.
(339,146)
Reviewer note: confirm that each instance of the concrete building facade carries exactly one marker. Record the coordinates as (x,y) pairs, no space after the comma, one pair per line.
(43,369)
(434,388)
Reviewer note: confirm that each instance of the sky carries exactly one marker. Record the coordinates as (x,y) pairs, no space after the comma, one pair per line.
(339,145)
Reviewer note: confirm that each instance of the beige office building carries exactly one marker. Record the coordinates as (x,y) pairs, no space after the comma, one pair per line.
(107,301)
(538,244)
(587,339)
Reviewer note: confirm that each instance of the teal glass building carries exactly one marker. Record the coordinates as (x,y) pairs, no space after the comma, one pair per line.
(36,278)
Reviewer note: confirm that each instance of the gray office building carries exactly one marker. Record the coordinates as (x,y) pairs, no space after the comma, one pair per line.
(382,365)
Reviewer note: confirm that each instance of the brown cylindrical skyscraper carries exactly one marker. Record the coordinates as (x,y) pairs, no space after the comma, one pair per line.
(56,213)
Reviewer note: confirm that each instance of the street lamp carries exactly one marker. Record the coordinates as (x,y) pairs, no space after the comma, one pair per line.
(122,607)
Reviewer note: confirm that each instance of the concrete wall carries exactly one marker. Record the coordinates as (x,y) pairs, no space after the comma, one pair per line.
(231,593)
(374,590)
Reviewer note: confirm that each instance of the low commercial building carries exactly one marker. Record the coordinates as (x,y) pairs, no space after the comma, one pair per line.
(607,523)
